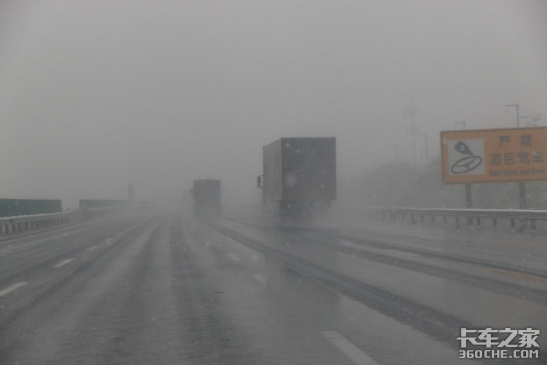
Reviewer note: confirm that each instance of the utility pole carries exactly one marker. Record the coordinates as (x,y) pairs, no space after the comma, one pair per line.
(521,185)
(517,111)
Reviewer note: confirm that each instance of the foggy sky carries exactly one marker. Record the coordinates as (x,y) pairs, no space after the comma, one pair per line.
(98,94)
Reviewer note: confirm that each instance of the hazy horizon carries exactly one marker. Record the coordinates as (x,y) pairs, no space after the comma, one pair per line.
(96,95)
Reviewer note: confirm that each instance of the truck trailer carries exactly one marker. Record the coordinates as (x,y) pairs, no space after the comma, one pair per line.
(299,181)
(206,195)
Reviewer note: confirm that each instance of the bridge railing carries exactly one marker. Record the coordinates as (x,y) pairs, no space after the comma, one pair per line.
(24,223)
(518,218)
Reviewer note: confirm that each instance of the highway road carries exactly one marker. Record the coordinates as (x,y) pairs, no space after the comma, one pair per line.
(147,287)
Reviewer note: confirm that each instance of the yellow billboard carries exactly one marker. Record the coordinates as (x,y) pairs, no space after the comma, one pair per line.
(493,155)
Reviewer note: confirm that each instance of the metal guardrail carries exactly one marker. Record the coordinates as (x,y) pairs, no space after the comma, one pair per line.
(14,225)
(471,216)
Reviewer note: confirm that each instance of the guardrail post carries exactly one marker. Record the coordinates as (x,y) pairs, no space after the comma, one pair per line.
(478,222)
(522,225)
(533,224)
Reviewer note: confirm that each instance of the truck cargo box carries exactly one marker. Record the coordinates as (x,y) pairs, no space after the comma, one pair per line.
(206,195)
(299,180)
(300,169)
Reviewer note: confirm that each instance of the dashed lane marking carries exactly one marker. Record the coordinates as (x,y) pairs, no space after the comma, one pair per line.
(261,279)
(404,253)
(11,288)
(348,348)
(234,257)
(517,275)
(63,263)
(91,248)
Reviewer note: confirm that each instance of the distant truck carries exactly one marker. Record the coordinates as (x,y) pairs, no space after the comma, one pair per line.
(299,181)
(207,198)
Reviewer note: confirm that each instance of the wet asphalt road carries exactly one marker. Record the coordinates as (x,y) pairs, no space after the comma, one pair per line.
(162,288)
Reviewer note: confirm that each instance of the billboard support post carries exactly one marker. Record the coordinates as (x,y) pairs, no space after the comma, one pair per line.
(522,202)
(521,186)
(522,196)
(468,191)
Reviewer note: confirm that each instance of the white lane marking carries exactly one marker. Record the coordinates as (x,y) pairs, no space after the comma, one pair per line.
(261,279)
(108,242)
(348,348)
(231,240)
(234,257)
(403,253)
(91,248)
(63,263)
(11,288)
(119,233)
(345,242)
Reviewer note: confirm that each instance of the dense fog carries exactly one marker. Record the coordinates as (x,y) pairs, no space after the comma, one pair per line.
(96,95)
